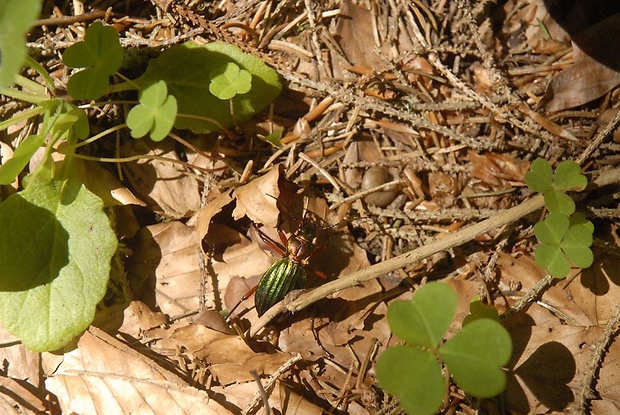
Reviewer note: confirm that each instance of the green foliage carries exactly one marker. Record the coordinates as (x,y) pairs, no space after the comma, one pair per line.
(187,70)
(56,248)
(16,16)
(478,310)
(564,236)
(229,80)
(101,54)
(414,375)
(473,357)
(155,114)
(12,167)
(563,239)
(56,242)
(274,138)
(568,176)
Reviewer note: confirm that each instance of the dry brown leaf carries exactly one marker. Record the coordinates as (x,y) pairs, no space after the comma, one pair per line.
(354,33)
(533,15)
(24,363)
(21,398)
(589,77)
(597,289)
(544,366)
(257,199)
(494,168)
(138,317)
(550,357)
(293,403)
(105,376)
(525,272)
(229,358)
(104,184)
(444,188)
(166,255)
(165,186)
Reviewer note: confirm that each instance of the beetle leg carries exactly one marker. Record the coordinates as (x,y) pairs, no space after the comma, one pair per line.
(271,243)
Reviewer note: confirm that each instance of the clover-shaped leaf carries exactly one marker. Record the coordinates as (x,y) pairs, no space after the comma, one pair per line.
(551,258)
(155,114)
(475,356)
(101,54)
(559,202)
(478,310)
(228,80)
(568,176)
(577,241)
(414,375)
(424,319)
(74,121)
(552,229)
(564,239)
(186,68)
(540,176)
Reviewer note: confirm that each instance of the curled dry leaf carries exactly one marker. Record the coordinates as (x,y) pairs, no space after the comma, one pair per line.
(257,199)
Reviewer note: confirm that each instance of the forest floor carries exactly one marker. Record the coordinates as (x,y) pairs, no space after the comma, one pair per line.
(403,123)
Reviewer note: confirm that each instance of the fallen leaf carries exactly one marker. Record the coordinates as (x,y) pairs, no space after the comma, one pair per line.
(105,376)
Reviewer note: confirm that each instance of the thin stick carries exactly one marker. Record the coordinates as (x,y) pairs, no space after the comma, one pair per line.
(455,239)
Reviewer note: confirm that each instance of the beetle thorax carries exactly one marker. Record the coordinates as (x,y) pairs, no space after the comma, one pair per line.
(299,248)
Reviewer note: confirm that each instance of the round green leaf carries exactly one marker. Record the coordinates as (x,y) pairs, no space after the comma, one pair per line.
(553,259)
(568,176)
(55,250)
(540,176)
(414,376)
(186,69)
(475,357)
(423,320)
(552,229)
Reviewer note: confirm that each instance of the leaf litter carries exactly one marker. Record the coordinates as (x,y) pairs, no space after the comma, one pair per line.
(453,115)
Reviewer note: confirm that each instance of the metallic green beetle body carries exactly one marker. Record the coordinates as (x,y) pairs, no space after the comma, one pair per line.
(289,272)
(281,278)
